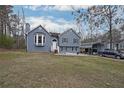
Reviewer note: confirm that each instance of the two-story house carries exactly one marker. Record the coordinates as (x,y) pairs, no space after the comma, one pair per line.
(40,40)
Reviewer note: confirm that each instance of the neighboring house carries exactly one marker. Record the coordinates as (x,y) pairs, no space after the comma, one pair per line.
(121,42)
(121,45)
(115,46)
(94,47)
(39,40)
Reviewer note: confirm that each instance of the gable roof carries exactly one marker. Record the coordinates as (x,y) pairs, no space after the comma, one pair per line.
(70,30)
(54,34)
(37,28)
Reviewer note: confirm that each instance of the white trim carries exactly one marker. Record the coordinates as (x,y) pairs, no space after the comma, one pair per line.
(34,39)
(37,39)
(42,39)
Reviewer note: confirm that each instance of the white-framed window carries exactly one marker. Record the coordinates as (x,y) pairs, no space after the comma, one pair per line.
(39,39)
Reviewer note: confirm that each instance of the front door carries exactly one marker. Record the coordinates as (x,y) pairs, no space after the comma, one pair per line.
(54,45)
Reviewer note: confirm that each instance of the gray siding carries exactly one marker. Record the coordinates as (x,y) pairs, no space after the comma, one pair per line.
(70,46)
(64,49)
(67,46)
(31,47)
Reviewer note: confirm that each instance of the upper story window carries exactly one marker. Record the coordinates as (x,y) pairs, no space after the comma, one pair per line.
(75,40)
(39,39)
(64,40)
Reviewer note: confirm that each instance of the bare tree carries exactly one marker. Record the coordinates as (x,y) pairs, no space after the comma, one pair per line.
(85,17)
(81,18)
(107,17)
(102,17)
(5,11)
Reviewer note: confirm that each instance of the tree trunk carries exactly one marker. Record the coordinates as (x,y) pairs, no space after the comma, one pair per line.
(110,32)
(1,27)
(5,29)
(110,28)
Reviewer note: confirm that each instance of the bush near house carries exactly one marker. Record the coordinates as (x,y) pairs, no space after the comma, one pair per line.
(19,43)
(6,41)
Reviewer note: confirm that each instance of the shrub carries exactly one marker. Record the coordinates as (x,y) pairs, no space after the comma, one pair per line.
(6,41)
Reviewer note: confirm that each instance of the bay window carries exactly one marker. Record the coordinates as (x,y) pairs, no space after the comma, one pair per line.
(39,39)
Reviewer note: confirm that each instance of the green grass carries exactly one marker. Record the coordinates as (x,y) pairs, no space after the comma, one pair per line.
(21,69)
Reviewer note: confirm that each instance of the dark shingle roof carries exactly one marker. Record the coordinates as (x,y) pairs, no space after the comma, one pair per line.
(54,34)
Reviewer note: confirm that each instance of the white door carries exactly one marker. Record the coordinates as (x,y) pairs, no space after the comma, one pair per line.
(54,45)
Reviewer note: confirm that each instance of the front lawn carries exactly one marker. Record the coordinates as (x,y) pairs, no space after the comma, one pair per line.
(21,69)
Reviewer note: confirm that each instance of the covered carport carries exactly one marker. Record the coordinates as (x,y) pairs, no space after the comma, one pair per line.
(91,48)
(86,48)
